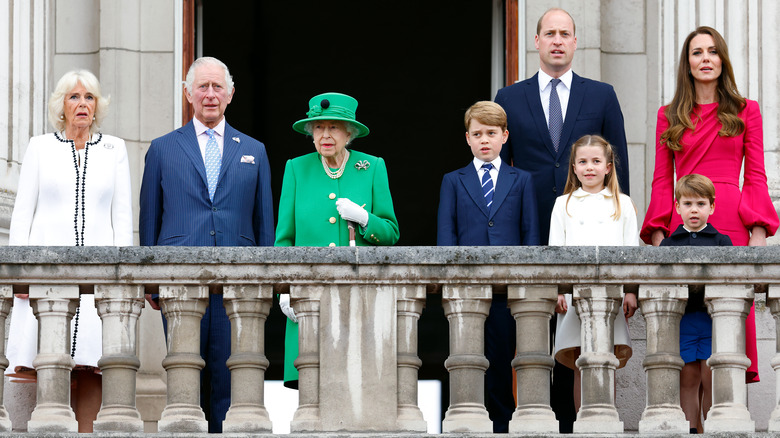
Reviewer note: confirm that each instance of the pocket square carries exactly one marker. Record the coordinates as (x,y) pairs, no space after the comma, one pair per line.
(248,159)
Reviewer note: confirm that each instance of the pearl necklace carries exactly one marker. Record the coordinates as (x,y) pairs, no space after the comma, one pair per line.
(337,174)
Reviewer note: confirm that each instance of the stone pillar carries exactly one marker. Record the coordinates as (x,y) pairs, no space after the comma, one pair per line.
(247,306)
(119,306)
(54,307)
(466,308)
(183,307)
(773,298)
(663,307)
(305,300)
(728,305)
(597,306)
(532,307)
(6,300)
(410,302)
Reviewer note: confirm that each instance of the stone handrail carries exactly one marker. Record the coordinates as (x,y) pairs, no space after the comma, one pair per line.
(358,310)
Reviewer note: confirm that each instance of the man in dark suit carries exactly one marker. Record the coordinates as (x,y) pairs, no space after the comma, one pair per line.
(489,202)
(207,184)
(547,114)
(586,107)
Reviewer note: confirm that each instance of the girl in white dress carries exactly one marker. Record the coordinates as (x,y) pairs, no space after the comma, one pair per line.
(74,190)
(591,212)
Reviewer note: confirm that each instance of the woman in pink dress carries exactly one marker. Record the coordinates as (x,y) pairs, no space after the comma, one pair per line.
(710,129)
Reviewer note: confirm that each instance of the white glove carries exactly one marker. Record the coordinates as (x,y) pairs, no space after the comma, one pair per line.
(284,303)
(349,211)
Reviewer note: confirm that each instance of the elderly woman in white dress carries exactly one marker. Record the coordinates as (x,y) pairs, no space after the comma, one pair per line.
(74,190)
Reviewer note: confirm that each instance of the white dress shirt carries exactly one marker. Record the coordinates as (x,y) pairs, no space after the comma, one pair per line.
(493,172)
(564,89)
(203,138)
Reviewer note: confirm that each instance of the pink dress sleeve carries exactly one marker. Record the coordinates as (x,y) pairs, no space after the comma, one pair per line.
(755,205)
(659,212)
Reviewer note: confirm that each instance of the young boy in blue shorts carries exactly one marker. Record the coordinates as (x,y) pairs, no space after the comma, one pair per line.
(694,199)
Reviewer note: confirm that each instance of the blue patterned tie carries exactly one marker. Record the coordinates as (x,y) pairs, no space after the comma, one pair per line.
(487,185)
(213,163)
(556,117)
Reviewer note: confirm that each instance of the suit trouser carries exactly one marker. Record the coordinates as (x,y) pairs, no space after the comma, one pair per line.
(499,350)
(215,350)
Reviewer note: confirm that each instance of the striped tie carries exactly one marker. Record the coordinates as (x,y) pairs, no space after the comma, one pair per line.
(213,163)
(487,185)
(556,117)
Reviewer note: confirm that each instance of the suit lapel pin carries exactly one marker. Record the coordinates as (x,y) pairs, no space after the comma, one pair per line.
(362,165)
(236,139)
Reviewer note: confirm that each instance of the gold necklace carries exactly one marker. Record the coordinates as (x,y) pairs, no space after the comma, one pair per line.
(337,174)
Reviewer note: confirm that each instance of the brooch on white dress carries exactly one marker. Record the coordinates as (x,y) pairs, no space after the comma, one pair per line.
(108,146)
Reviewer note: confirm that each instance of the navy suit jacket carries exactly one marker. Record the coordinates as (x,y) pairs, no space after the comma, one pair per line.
(175,205)
(464,218)
(593,109)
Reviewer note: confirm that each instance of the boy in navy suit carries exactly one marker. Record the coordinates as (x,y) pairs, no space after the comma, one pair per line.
(489,202)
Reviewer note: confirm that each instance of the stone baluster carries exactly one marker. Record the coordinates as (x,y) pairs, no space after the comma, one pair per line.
(773,298)
(54,307)
(466,308)
(597,306)
(6,299)
(662,307)
(119,307)
(532,307)
(728,305)
(410,302)
(183,307)
(247,307)
(305,300)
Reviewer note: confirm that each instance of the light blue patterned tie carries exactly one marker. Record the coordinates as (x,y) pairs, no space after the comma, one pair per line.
(487,185)
(556,117)
(213,163)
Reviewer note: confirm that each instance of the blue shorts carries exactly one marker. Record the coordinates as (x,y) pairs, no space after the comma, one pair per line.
(695,336)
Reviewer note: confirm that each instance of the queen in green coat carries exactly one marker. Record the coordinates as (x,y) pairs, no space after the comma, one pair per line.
(324,191)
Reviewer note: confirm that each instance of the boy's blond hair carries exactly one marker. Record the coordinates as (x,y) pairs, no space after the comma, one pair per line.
(694,186)
(486,112)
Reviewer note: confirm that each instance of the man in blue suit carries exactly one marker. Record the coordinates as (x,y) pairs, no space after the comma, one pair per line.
(207,184)
(547,114)
(488,202)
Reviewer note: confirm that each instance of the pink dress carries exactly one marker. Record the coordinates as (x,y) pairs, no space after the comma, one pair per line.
(720,159)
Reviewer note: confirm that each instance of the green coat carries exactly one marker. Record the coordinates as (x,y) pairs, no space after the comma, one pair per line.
(308,215)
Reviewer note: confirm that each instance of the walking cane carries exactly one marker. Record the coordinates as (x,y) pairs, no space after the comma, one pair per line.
(351,228)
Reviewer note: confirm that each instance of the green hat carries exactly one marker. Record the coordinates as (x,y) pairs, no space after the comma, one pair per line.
(332,106)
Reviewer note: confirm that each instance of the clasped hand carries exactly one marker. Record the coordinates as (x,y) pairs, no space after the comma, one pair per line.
(349,211)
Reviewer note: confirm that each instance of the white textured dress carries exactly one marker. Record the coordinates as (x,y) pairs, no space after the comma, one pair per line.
(68,198)
(587,221)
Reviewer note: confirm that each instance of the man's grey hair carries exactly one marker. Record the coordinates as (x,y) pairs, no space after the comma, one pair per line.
(207,60)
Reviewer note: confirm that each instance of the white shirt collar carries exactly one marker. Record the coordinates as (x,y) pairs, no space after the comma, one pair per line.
(200,128)
(496,163)
(544,79)
(580,193)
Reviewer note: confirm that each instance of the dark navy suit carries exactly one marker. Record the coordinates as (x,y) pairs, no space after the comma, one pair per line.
(176,211)
(465,220)
(593,108)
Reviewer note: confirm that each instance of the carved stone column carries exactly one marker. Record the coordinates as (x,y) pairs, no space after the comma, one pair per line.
(532,308)
(466,308)
(247,307)
(54,306)
(728,305)
(306,303)
(773,298)
(597,306)
(183,307)
(663,307)
(6,300)
(410,302)
(119,307)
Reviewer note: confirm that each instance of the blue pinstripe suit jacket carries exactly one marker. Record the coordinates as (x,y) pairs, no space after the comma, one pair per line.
(175,205)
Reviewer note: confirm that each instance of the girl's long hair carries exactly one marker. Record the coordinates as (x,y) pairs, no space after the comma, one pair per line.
(610,180)
(680,111)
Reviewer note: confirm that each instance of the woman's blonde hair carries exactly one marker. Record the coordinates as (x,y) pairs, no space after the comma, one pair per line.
(610,180)
(67,82)
(679,112)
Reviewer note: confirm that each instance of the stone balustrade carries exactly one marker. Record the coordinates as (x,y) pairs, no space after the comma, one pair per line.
(358,310)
